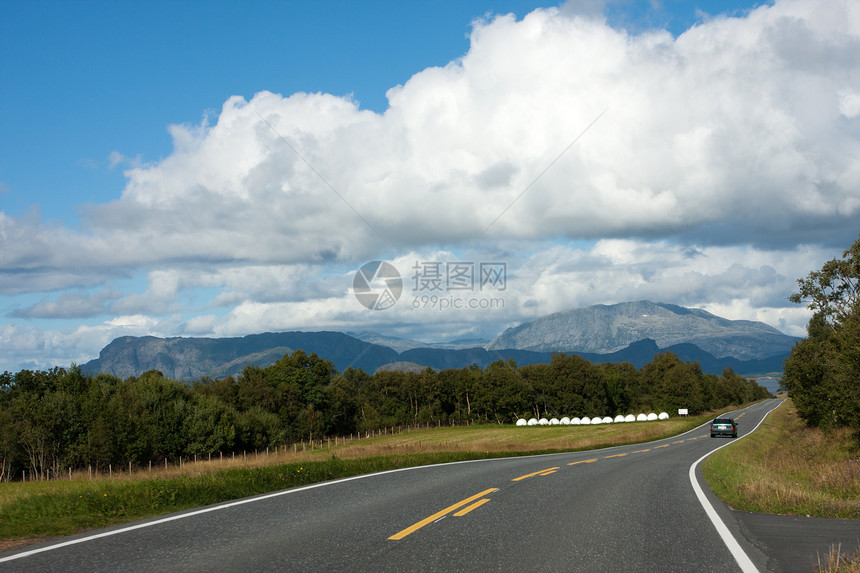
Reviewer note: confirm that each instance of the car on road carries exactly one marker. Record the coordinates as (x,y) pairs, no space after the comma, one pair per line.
(724,427)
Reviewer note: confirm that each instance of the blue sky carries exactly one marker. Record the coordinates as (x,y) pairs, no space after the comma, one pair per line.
(85,79)
(138,198)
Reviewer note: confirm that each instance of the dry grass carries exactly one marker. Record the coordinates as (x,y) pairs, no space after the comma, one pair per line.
(478,439)
(30,511)
(791,469)
(838,562)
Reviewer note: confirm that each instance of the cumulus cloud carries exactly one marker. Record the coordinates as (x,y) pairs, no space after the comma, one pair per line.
(744,285)
(709,169)
(34,347)
(738,122)
(70,305)
(540,279)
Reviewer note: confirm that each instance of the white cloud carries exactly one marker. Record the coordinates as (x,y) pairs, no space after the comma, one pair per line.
(718,167)
(71,305)
(735,118)
(34,347)
(849,103)
(737,283)
(116,158)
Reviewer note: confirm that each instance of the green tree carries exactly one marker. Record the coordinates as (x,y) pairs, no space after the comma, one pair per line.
(210,426)
(343,399)
(822,374)
(503,394)
(297,384)
(834,291)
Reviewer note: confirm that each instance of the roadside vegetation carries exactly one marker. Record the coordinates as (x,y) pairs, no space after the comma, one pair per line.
(805,458)
(33,510)
(822,376)
(838,562)
(786,467)
(789,468)
(56,422)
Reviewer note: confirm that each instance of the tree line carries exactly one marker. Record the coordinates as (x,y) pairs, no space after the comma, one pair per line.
(60,418)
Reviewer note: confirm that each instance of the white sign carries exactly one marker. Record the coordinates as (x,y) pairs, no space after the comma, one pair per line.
(682,411)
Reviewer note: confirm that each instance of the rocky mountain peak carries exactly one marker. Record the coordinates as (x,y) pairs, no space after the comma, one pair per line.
(609,328)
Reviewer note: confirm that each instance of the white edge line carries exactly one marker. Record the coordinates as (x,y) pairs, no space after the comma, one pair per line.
(229,504)
(262,497)
(221,506)
(734,547)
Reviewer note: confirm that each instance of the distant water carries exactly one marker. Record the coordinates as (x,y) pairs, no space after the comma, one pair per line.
(772,384)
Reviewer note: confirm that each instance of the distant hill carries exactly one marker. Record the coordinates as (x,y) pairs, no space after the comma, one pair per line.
(605,329)
(627,332)
(402,344)
(402,367)
(639,354)
(192,358)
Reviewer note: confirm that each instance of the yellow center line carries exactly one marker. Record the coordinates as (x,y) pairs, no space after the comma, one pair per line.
(614,456)
(640,451)
(591,461)
(542,472)
(663,446)
(438,514)
(469,508)
(679,442)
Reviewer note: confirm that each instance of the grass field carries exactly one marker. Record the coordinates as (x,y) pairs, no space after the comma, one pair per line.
(34,510)
(787,468)
(783,468)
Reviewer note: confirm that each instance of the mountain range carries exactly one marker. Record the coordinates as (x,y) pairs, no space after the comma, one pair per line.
(633,332)
(604,329)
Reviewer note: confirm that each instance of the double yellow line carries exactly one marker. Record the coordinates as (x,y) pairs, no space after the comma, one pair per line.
(545,472)
(471,504)
(446,511)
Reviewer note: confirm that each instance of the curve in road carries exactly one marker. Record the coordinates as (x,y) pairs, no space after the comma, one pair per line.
(621,508)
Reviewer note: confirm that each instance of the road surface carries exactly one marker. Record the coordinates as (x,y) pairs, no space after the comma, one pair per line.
(630,508)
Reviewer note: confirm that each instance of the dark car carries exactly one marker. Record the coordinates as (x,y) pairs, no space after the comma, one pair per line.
(724,427)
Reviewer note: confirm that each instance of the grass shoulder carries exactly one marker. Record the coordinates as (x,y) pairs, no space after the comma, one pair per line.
(35,510)
(787,468)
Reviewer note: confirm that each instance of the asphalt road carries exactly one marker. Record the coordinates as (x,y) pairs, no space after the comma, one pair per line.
(631,508)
